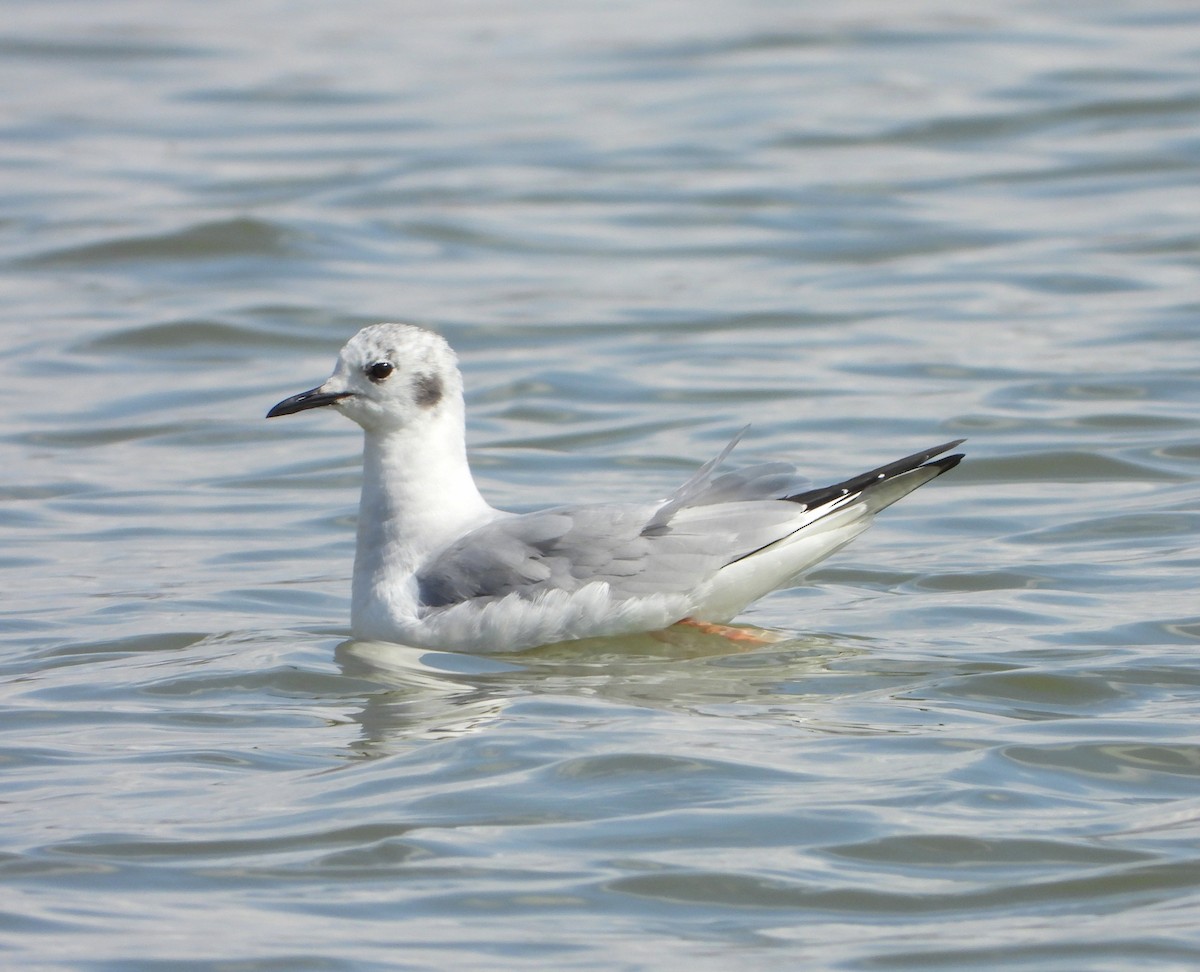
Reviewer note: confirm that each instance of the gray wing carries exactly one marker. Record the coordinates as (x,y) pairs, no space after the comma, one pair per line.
(568,548)
(658,548)
(637,549)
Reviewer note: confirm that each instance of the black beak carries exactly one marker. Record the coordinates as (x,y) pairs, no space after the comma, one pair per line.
(313,398)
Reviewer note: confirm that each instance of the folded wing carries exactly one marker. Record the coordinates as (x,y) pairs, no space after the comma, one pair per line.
(724,540)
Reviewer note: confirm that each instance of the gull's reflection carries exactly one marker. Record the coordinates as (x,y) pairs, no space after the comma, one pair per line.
(433,695)
(430,695)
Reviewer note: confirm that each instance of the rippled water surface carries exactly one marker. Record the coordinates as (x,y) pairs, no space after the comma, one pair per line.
(865,228)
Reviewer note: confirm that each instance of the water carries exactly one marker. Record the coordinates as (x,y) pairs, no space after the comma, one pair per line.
(865,228)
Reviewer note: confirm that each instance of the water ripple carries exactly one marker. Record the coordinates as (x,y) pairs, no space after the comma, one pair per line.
(970,742)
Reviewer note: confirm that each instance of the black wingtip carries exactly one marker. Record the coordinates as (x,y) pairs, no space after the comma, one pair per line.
(918,460)
(923,457)
(946,463)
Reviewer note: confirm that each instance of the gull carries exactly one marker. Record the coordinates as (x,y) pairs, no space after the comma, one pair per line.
(437,567)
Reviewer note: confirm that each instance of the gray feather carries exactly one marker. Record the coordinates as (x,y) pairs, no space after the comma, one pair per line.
(566,549)
(671,547)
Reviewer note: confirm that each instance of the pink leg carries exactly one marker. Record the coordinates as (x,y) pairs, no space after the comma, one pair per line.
(725,631)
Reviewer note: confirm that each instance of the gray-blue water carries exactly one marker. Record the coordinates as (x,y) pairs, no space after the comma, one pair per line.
(865,228)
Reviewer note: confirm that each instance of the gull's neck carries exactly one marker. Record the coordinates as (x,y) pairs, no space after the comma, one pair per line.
(417,495)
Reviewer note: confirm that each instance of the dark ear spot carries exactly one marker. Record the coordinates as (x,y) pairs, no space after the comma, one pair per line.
(428,390)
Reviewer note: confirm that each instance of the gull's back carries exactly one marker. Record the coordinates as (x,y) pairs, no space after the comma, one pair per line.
(713,547)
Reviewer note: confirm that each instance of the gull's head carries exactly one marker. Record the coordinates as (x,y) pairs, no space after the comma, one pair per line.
(388,376)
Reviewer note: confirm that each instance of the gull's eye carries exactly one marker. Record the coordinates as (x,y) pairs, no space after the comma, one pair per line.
(379,370)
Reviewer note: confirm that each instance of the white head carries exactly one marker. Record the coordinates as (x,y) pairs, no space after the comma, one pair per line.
(388,377)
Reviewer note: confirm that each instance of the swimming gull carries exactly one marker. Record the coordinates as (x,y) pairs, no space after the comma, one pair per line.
(437,567)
